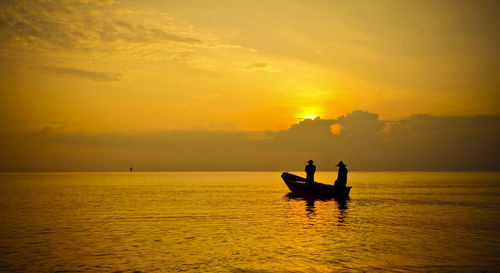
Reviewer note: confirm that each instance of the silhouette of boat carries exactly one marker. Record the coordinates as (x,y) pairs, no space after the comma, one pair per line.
(297,185)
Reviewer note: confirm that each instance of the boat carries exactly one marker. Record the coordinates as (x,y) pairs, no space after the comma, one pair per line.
(298,186)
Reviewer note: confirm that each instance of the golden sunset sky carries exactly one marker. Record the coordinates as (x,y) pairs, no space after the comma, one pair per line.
(114,67)
(104,66)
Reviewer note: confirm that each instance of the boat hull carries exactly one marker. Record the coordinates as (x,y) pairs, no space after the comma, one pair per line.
(297,185)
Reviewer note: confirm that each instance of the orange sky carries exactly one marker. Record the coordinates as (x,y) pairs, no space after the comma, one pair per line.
(130,66)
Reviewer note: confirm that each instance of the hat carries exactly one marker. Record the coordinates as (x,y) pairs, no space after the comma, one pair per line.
(341,164)
(310,161)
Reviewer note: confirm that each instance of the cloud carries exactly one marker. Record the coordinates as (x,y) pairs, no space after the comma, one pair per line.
(428,142)
(360,123)
(97,34)
(260,66)
(419,142)
(61,33)
(256,66)
(115,30)
(81,73)
(84,25)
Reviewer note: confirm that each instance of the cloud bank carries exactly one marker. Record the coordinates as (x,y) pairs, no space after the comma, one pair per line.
(417,143)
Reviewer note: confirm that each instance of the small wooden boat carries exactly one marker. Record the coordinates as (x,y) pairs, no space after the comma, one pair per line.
(298,186)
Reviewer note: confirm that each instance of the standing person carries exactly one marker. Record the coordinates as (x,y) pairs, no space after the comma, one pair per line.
(342,175)
(310,170)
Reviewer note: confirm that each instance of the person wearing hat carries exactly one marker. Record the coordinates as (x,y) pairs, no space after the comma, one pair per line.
(341,176)
(310,170)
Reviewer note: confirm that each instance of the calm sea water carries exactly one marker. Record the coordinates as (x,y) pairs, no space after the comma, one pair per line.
(245,222)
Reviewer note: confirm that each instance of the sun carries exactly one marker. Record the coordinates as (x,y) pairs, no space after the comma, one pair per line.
(310,116)
(309,112)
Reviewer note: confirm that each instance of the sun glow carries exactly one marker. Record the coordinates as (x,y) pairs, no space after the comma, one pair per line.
(311,112)
(310,116)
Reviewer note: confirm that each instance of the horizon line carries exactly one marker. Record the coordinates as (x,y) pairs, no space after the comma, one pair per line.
(151,171)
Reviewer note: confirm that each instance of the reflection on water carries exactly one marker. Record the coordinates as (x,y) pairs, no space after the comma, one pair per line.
(245,222)
(342,210)
(310,208)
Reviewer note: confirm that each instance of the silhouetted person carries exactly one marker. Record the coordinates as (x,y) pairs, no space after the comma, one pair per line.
(310,170)
(342,175)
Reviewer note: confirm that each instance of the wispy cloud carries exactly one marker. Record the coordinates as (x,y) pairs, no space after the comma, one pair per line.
(65,31)
(85,25)
(260,66)
(81,73)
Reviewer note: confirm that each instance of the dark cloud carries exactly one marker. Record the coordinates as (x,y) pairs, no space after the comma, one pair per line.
(419,142)
(81,73)
(442,143)
(360,123)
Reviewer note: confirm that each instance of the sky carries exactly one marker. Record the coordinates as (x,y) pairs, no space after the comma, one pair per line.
(103,85)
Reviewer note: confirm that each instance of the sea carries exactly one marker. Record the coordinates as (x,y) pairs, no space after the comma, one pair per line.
(248,222)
